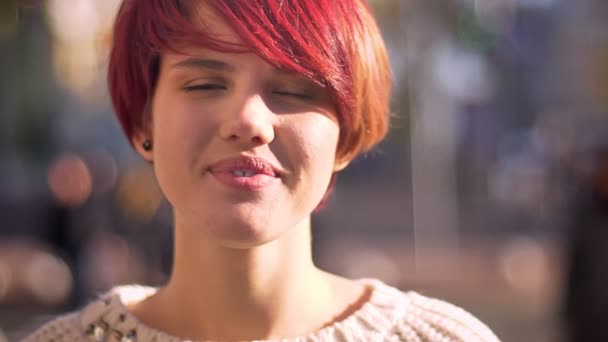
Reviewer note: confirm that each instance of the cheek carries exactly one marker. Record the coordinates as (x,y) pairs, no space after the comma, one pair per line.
(181,128)
(181,132)
(311,145)
(322,152)
(321,139)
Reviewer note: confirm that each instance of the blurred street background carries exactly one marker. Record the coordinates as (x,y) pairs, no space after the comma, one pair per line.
(490,192)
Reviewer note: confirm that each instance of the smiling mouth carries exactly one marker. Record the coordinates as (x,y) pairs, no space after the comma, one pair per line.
(245,166)
(245,173)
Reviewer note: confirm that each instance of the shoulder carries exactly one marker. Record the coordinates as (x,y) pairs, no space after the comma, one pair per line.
(63,328)
(105,315)
(417,318)
(430,319)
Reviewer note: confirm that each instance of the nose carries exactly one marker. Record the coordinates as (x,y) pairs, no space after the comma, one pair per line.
(250,124)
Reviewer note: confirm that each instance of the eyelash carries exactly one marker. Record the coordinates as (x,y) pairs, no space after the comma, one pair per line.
(204,87)
(214,87)
(299,96)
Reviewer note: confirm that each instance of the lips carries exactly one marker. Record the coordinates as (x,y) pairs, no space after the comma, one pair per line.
(245,172)
(247,164)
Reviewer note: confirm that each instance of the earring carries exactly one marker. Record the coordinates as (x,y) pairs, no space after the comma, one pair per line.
(147,145)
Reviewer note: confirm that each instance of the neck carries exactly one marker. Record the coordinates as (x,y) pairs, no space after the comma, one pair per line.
(272,290)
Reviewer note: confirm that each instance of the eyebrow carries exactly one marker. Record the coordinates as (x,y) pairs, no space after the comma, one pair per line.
(211,64)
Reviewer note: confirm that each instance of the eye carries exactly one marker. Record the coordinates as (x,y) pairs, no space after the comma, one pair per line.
(296,95)
(204,87)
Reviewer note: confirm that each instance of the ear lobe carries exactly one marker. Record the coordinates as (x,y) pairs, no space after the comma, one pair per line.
(139,141)
(341,165)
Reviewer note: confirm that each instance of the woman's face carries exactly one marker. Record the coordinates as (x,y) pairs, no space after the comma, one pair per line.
(242,150)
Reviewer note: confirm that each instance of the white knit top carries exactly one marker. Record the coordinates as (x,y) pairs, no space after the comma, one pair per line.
(389,315)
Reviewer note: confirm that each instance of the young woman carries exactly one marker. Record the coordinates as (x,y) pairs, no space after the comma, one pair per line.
(246,111)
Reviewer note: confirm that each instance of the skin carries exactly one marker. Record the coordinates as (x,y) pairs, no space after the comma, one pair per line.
(242,256)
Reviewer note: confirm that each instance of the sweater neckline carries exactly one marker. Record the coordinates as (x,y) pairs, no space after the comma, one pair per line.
(376,316)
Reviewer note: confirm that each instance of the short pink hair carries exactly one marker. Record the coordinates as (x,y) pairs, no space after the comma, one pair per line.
(335,43)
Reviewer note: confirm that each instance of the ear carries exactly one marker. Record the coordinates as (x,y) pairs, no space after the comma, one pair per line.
(139,139)
(340,165)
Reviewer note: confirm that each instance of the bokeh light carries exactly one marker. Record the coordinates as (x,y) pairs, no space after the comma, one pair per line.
(104,170)
(138,195)
(524,265)
(80,29)
(109,260)
(70,180)
(48,278)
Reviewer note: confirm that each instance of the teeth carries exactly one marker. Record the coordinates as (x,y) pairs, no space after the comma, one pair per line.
(241,173)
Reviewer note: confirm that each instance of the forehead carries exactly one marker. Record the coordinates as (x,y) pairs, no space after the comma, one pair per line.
(279,32)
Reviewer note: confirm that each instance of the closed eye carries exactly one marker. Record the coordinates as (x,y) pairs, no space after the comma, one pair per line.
(299,96)
(204,87)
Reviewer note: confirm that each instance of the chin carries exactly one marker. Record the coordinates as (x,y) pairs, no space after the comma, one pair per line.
(242,233)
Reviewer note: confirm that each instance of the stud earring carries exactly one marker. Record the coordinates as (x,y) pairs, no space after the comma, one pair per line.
(147,145)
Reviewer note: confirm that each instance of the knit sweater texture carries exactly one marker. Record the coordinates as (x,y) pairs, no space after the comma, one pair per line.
(388,315)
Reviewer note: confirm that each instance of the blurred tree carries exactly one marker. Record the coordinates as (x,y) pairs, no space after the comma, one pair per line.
(8,18)
(25,90)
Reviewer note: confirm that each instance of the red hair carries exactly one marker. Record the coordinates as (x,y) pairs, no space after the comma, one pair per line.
(335,43)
